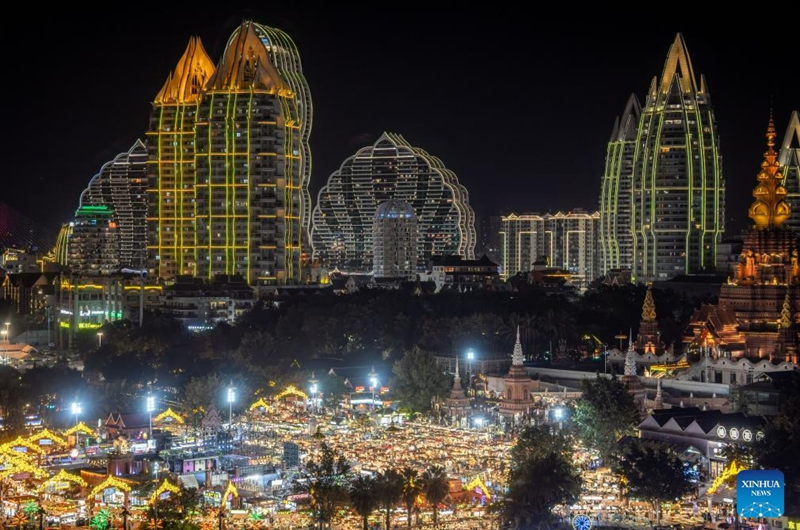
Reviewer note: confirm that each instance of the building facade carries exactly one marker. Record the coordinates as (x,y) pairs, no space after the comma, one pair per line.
(110,227)
(789,160)
(230,162)
(616,235)
(391,169)
(567,241)
(678,189)
(395,239)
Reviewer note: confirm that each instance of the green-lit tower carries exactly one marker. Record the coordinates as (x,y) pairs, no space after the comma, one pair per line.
(616,236)
(789,160)
(678,190)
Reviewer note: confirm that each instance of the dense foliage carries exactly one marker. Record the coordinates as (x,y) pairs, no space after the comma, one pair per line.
(542,476)
(604,413)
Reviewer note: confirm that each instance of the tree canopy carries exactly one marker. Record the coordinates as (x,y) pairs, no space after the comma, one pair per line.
(604,413)
(652,473)
(418,378)
(542,476)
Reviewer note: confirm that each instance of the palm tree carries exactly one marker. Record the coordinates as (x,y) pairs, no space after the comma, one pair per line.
(411,490)
(390,490)
(435,487)
(363,493)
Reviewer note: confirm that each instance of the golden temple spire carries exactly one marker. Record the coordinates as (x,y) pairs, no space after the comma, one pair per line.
(769,210)
(649,306)
(186,82)
(786,313)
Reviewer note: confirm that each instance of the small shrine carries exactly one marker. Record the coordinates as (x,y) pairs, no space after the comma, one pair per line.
(518,386)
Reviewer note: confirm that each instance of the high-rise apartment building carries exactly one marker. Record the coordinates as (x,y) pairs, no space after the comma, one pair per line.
(789,160)
(110,229)
(677,189)
(391,169)
(230,162)
(395,240)
(616,235)
(568,241)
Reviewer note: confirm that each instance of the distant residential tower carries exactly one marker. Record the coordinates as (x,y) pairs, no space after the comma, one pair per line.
(391,169)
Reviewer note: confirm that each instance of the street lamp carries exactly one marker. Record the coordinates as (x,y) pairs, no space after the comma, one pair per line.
(99,339)
(125,513)
(231,399)
(76,410)
(470,358)
(41,513)
(373,381)
(151,406)
(313,382)
(221,517)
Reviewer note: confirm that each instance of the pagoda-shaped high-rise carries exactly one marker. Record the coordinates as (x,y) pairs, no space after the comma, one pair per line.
(677,190)
(230,162)
(616,235)
(171,149)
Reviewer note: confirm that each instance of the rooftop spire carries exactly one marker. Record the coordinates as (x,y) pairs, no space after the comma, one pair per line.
(786,312)
(649,306)
(769,210)
(630,359)
(678,63)
(517,358)
(190,75)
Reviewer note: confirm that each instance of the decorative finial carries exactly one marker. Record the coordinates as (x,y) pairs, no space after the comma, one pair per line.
(770,210)
(517,357)
(786,313)
(630,361)
(649,306)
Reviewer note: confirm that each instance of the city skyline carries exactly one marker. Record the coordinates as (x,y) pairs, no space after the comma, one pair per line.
(558,93)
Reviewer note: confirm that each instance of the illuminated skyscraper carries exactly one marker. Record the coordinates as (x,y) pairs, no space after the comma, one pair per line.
(789,160)
(171,146)
(231,162)
(395,240)
(616,236)
(567,241)
(391,169)
(663,195)
(678,190)
(110,230)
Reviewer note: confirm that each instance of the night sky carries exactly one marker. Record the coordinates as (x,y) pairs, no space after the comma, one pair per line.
(520,108)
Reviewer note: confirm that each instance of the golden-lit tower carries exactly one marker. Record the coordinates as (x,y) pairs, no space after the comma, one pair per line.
(230,162)
(248,157)
(171,165)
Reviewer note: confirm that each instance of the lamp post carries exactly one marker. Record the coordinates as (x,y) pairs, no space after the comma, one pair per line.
(313,388)
(76,410)
(125,513)
(373,381)
(470,358)
(41,513)
(221,517)
(99,339)
(151,406)
(231,399)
